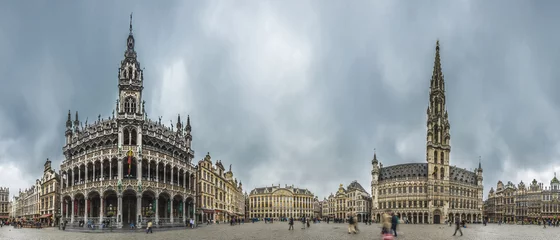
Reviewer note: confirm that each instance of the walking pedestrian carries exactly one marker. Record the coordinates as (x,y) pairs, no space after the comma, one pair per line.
(457,226)
(149,228)
(394,222)
(351,225)
(291,223)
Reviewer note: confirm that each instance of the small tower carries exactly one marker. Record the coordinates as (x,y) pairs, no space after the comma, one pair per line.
(68,132)
(374,184)
(179,124)
(188,135)
(47,165)
(130,81)
(76,124)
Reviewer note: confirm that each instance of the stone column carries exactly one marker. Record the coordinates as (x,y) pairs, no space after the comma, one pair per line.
(86,172)
(101,205)
(139,210)
(194,209)
(184,211)
(73,209)
(119,210)
(157,210)
(85,208)
(139,169)
(171,207)
(120,168)
(171,175)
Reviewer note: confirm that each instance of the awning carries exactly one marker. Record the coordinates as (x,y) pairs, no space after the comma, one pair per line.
(45,216)
(207,211)
(4,217)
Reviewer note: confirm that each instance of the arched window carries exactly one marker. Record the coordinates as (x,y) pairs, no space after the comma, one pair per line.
(442,158)
(130,105)
(130,72)
(435,157)
(126,137)
(442,172)
(435,173)
(133,136)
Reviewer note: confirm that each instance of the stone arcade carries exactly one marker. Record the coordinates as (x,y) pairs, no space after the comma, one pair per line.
(127,165)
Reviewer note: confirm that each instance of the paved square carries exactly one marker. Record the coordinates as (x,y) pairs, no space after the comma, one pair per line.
(279,230)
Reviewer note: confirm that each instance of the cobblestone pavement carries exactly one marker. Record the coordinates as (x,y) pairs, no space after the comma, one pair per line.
(279,230)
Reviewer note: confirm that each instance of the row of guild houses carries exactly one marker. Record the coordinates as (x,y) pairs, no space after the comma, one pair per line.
(512,203)
(129,169)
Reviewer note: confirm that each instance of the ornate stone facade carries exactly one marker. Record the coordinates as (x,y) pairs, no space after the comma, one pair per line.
(280,202)
(353,200)
(49,195)
(512,203)
(220,195)
(127,167)
(434,191)
(27,202)
(4,203)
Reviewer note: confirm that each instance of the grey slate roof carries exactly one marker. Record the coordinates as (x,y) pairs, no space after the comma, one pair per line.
(355,185)
(413,170)
(404,170)
(462,175)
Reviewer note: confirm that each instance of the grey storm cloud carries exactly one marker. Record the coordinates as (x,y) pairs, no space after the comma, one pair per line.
(291,92)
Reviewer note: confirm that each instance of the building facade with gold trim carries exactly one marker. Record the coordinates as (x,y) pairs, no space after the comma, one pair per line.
(220,194)
(353,199)
(510,203)
(434,191)
(50,195)
(281,202)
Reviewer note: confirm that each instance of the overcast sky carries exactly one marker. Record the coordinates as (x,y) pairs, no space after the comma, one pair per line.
(292,92)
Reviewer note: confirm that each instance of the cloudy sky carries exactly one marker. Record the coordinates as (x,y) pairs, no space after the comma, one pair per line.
(292,92)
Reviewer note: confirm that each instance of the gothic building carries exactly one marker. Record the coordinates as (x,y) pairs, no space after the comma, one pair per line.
(127,167)
(434,191)
(510,203)
(350,201)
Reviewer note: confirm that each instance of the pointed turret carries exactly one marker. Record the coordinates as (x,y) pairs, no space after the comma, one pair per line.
(179,125)
(188,127)
(69,120)
(374,161)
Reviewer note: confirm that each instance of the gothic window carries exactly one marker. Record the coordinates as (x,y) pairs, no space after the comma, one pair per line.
(435,157)
(436,134)
(442,173)
(435,172)
(133,136)
(126,137)
(130,72)
(442,158)
(130,105)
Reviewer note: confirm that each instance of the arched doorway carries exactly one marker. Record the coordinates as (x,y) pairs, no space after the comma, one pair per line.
(129,201)
(177,209)
(164,207)
(437,216)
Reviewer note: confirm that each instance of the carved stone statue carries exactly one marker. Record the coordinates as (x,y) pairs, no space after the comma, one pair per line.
(139,186)
(119,185)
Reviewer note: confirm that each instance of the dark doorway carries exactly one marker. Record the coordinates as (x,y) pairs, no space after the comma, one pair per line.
(436,219)
(129,208)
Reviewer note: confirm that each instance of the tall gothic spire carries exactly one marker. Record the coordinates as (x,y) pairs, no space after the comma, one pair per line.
(130,28)
(437,82)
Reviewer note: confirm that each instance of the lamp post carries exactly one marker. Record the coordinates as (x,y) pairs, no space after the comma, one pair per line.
(110,214)
(58,215)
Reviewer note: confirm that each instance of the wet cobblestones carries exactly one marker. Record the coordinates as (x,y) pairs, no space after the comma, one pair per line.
(279,230)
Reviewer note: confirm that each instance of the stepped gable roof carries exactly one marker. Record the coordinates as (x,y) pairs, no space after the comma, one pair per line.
(404,170)
(355,186)
(462,175)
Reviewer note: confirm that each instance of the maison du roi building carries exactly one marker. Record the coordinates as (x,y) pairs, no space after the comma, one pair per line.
(220,195)
(126,166)
(434,191)
(511,203)
(281,202)
(352,200)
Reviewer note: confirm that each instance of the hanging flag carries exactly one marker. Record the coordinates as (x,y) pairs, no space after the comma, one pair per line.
(129,160)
